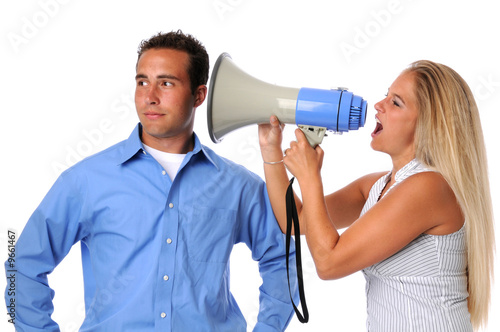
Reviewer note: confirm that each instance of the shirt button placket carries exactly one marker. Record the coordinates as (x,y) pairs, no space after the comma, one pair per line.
(166,277)
(169,241)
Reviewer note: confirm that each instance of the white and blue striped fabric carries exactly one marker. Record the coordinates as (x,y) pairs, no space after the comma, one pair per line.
(423,287)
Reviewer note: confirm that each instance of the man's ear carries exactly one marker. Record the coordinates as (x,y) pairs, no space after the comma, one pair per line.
(199,95)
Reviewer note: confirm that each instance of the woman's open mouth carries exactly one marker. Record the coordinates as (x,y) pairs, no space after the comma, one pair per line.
(378,128)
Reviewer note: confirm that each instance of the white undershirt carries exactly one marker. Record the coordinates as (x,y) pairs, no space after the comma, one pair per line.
(169,161)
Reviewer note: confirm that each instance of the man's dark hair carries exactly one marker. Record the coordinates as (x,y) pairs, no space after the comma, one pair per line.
(198,56)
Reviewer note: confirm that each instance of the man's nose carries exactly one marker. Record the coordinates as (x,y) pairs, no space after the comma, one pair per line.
(152,96)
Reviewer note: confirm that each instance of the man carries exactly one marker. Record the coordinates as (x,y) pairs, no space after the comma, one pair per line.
(157,216)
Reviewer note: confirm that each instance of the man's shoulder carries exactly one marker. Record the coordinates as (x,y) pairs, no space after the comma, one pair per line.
(110,156)
(226,165)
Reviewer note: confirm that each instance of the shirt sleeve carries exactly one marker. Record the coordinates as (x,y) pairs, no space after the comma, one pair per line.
(46,239)
(267,243)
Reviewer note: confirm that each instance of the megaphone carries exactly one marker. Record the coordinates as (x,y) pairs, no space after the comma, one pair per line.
(236,99)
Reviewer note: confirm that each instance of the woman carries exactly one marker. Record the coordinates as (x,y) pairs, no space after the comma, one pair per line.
(423,233)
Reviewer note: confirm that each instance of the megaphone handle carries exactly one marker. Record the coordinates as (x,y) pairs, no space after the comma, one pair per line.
(313,134)
(292,217)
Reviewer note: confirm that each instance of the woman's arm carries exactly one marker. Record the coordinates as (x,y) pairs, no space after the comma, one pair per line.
(270,137)
(345,205)
(346,202)
(422,203)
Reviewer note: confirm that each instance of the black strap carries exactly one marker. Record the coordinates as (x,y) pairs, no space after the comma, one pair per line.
(291,216)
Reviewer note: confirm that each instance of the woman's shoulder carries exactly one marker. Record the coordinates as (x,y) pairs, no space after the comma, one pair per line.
(431,190)
(430,181)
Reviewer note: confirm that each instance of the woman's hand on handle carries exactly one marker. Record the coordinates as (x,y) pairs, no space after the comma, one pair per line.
(303,161)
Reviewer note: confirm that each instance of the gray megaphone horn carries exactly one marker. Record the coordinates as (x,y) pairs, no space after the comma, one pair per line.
(236,99)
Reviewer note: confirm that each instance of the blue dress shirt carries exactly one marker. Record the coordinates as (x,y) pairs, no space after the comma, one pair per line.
(155,253)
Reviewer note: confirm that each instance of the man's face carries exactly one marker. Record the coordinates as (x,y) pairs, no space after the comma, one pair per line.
(163,98)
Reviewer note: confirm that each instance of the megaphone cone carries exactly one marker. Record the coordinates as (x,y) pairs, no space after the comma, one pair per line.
(236,99)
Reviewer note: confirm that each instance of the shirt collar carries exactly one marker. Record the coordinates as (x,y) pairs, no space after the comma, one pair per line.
(133,145)
(401,174)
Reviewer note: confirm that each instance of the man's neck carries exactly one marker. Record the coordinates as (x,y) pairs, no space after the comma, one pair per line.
(178,144)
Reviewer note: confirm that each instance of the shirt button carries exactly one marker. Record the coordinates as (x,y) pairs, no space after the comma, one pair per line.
(165,277)
(171,205)
(163,172)
(163,315)
(169,240)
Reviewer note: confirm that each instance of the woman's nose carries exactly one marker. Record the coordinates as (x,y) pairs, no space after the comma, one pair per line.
(379,106)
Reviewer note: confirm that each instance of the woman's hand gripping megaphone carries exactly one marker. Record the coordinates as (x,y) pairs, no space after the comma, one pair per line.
(303,160)
(301,154)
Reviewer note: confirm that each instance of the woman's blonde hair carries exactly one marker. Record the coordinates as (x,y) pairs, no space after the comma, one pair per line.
(449,139)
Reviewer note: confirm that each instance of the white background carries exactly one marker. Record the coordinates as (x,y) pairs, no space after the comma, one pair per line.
(68,82)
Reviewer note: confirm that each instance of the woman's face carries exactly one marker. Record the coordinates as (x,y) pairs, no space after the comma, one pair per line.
(396,119)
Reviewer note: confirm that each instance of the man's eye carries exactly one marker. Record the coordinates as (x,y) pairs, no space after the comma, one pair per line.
(142,83)
(167,84)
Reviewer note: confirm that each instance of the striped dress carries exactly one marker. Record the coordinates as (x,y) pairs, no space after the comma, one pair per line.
(423,287)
